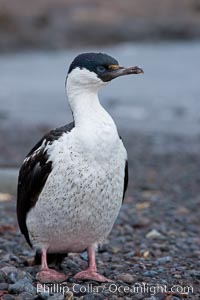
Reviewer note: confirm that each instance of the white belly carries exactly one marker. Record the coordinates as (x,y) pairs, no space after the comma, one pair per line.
(80,201)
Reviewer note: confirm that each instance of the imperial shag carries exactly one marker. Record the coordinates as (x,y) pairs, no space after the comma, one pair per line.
(72,183)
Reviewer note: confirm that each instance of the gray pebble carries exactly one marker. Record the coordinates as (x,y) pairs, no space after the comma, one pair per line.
(72,280)
(93,297)
(27,253)
(2,276)
(4,286)
(12,277)
(57,297)
(138,296)
(129,255)
(151,298)
(15,259)
(72,265)
(7,270)
(160,270)
(43,296)
(163,281)
(150,273)
(8,297)
(80,290)
(6,258)
(26,296)
(164,259)
(154,234)
(9,274)
(195,274)
(84,256)
(126,277)
(23,285)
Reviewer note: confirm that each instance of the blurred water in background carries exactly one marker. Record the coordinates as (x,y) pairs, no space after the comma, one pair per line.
(165,99)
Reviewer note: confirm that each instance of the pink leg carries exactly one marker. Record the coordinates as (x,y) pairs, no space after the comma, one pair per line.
(47,275)
(91,272)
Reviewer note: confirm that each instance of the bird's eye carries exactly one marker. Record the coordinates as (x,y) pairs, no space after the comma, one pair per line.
(101,69)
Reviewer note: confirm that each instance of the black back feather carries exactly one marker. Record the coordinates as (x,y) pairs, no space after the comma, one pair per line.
(33,175)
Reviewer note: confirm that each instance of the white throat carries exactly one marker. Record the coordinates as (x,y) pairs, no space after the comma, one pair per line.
(94,129)
(82,88)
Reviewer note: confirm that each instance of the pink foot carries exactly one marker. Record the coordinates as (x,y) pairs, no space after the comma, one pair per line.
(49,275)
(91,275)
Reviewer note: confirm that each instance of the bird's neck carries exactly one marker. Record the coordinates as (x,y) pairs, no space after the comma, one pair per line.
(95,129)
(86,107)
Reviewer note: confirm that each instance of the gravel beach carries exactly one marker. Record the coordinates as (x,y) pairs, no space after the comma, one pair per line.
(153,250)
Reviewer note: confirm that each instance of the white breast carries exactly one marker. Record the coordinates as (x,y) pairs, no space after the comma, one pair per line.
(82,196)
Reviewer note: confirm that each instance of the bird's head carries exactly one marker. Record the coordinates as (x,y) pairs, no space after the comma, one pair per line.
(92,70)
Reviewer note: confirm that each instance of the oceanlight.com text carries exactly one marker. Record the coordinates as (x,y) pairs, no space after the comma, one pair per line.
(137,288)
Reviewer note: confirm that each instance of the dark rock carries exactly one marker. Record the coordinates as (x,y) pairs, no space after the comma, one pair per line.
(103,248)
(79,290)
(195,274)
(72,265)
(42,296)
(72,280)
(15,259)
(57,297)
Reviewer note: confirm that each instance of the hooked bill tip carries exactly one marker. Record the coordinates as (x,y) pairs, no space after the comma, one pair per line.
(139,70)
(134,70)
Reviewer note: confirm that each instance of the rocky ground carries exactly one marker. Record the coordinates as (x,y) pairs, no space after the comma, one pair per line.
(153,251)
(57,24)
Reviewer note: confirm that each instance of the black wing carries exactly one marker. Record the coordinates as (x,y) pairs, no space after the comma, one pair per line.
(125,178)
(33,175)
(125,175)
